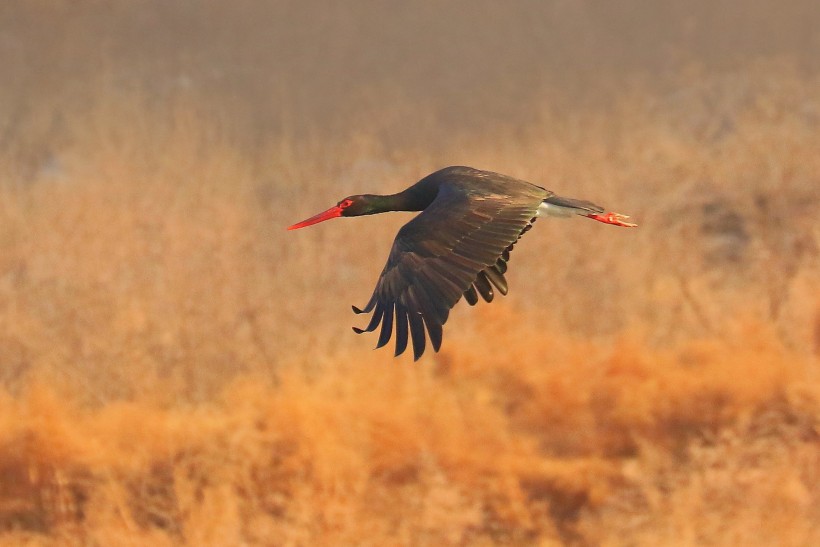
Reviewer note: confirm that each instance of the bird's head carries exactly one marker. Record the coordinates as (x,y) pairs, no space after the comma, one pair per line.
(351,206)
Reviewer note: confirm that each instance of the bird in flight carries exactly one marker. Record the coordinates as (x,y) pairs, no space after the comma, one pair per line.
(459,245)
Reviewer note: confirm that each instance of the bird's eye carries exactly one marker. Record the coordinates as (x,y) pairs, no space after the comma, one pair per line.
(345,203)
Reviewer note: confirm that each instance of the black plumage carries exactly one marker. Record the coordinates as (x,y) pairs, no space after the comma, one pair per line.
(459,245)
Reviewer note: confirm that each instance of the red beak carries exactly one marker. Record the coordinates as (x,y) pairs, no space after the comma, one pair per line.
(333,212)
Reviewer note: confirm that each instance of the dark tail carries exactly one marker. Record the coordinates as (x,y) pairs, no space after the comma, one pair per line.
(563,207)
(558,206)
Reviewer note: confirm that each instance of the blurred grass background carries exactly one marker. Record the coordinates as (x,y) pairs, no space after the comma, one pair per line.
(175,368)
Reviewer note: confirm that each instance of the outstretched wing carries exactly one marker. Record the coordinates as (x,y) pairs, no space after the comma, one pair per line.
(459,245)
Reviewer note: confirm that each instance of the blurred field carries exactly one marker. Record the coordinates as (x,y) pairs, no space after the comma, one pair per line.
(176,368)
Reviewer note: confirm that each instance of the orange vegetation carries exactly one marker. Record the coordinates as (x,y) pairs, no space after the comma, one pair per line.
(710,443)
(176,368)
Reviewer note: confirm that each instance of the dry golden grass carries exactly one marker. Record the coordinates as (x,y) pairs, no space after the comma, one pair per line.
(631,446)
(176,368)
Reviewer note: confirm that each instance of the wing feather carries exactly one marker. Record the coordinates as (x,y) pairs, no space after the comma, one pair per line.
(387,325)
(401,329)
(496,278)
(374,321)
(417,334)
(471,296)
(483,287)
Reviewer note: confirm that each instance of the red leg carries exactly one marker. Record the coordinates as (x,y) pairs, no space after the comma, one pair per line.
(613,218)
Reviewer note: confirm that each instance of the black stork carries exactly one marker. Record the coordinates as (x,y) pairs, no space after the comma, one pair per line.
(458,246)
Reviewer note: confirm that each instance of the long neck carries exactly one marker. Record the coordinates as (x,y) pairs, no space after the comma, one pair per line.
(414,198)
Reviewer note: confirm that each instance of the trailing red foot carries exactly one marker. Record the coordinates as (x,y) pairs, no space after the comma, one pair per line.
(616,219)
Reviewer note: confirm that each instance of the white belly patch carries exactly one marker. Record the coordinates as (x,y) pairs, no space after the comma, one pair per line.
(550,210)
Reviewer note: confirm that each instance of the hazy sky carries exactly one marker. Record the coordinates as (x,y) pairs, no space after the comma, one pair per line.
(464,59)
